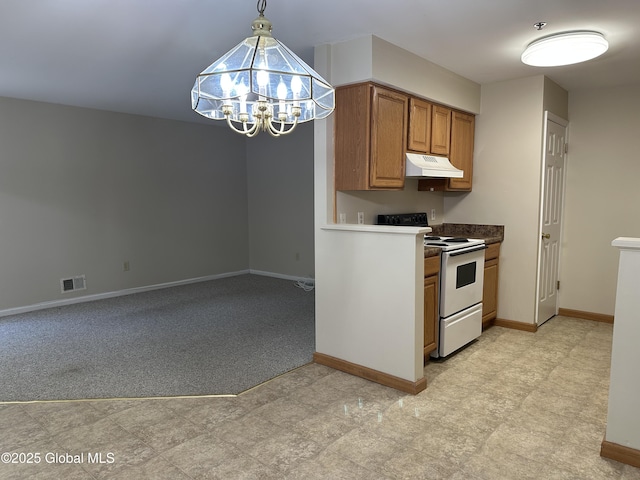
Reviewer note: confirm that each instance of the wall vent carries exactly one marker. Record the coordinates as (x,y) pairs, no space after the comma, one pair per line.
(72,284)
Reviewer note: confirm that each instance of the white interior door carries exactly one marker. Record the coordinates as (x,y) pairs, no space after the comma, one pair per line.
(551,208)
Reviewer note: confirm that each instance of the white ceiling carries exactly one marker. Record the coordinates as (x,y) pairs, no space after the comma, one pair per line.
(142,56)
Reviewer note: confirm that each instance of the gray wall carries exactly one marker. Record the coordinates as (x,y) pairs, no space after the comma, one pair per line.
(602,196)
(506,186)
(280,179)
(601,200)
(507,173)
(81,191)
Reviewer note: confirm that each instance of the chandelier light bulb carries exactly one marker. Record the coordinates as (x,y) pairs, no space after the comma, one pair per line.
(296,86)
(241,92)
(226,84)
(282,90)
(263,78)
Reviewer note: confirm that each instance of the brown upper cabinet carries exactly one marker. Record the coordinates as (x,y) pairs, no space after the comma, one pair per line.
(429,127)
(419,126)
(440,130)
(463,128)
(375,126)
(460,155)
(370,137)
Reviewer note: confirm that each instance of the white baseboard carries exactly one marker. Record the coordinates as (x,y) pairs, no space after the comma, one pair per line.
(119,293)
(283,277)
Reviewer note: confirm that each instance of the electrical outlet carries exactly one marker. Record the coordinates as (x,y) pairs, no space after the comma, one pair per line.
(297,256)
(342,218)
(433,214)
(360,218)
(125,266)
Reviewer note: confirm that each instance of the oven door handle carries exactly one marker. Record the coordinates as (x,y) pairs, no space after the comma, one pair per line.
(455,253)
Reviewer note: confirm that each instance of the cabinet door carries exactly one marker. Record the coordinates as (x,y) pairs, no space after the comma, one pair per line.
(389,112)
(419,125)
(352,118)
(430,313)
(492,251)
(440,130)
(461,154)
(490,291)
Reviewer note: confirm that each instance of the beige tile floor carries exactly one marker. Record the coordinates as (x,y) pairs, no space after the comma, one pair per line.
(513,405)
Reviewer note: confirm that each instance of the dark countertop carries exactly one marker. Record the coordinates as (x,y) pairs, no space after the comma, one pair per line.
(490,233)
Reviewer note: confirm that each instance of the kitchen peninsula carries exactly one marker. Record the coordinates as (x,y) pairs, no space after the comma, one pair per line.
(376,278)
(373,291)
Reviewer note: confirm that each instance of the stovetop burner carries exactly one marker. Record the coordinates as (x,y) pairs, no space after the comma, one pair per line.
(446,239)
(450,243)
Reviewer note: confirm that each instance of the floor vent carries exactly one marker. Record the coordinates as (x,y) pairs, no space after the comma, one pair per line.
(73,284)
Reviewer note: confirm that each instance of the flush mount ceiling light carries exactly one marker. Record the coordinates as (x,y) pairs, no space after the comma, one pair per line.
(261,85)
(564,48)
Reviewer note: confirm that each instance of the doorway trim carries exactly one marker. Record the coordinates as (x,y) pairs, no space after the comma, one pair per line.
(549,117)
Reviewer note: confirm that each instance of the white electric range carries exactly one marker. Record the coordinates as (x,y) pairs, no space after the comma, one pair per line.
(461,282)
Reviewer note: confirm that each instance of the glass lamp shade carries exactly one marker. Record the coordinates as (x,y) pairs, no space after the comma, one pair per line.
(260,75)
(565,49)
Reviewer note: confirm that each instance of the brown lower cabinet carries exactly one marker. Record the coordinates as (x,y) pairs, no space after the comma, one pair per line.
(431,271)
(490,289)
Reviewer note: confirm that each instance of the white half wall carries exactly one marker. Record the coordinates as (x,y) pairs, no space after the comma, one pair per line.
(623,421)
(370,287)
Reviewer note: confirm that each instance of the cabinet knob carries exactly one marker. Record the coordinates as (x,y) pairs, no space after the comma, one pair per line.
(546,236)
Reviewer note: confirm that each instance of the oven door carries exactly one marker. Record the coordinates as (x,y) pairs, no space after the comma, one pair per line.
(461,279)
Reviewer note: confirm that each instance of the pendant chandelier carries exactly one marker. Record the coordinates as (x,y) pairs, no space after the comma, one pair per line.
(261,85)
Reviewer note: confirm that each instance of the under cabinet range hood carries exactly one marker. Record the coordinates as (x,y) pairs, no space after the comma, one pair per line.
(430,166)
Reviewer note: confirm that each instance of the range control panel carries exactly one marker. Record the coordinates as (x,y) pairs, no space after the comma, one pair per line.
(404,219)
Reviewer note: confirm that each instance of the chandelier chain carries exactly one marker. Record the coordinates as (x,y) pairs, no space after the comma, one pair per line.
(262,5)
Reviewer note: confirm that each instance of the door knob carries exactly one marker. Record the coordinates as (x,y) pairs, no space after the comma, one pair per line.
(546,236)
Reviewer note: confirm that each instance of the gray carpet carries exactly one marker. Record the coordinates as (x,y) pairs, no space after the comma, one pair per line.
(217,337)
